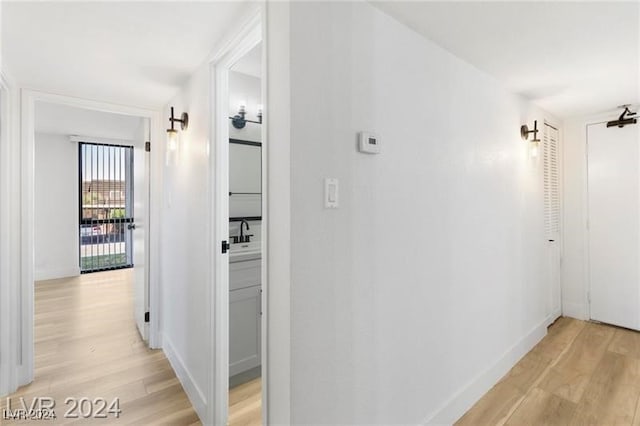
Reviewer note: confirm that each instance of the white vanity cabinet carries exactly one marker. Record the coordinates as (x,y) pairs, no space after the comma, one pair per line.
(245,331)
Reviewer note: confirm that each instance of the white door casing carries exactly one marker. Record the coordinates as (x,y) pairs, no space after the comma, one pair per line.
(613,185)
(141,169)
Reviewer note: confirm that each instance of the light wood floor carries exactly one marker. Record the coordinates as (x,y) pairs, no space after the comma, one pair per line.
(245,408)
(581,373)
(87,345)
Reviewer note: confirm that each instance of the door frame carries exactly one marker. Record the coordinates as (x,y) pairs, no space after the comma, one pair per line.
(25,312)
(8,285)
(248,35)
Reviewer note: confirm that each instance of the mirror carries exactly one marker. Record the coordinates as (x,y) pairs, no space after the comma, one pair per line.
(245,179)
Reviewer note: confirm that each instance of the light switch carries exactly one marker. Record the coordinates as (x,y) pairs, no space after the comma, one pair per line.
(331,193)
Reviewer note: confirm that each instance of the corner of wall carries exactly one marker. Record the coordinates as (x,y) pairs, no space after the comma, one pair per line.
(53,274)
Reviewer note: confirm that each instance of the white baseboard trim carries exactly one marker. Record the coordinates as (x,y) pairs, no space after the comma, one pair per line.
(574,310)
(52,274)
(463,400)
(194,393)
(553,317)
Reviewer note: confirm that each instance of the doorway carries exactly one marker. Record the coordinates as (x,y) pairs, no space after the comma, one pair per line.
(53,127)
(245,236)
(613,226)
(238,380)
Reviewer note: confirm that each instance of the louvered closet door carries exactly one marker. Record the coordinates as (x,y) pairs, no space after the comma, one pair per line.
(551,173)
(613,170)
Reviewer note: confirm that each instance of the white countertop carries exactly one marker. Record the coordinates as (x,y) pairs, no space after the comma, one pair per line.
(245,251)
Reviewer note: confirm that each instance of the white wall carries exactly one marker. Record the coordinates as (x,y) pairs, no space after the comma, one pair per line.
(427,284)
(574,259)
(56,207)
(185,247)
(277,187)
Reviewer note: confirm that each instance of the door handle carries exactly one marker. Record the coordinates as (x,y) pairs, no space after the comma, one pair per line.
(131,226)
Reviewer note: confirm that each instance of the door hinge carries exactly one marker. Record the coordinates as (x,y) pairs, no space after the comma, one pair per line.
(225,246)
(147,146)
(146,317)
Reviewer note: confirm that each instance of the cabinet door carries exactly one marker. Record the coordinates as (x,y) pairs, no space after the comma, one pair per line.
(244,274)
(244,329)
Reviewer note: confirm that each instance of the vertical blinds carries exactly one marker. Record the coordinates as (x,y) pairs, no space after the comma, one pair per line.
(550,158)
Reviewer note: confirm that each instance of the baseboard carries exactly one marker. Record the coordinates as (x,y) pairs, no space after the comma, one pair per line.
(574,310)
(194,393)
(553,317)
(463,400)
(53,274)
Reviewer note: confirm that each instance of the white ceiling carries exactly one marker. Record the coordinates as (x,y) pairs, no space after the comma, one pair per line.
(133,53)
(570,58)
(251,63)
(65,120)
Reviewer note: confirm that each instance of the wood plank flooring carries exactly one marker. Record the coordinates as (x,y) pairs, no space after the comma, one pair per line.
(581,373)
(87,345)
(245,404)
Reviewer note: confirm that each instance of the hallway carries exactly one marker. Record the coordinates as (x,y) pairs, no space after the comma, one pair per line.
(87,345)
(580,373)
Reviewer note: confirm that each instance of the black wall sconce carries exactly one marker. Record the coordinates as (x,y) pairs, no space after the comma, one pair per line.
(535,142)
(172,133)
(239,120)
(524,132)
(622,120)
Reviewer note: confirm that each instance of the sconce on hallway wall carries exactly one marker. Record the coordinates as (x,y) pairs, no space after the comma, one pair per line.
(535,142)
(172,133)
(239,120)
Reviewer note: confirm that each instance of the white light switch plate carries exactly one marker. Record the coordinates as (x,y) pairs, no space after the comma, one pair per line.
(331,193)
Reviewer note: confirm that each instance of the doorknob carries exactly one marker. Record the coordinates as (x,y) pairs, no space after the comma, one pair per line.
(131,226)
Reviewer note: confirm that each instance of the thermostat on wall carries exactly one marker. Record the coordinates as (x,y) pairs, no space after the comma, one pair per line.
(368,143)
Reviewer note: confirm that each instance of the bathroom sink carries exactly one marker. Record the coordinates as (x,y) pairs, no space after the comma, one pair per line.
(245,251)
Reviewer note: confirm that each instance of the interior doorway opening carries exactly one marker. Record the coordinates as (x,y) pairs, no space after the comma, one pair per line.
(245,237)
(52,127)
(238,381)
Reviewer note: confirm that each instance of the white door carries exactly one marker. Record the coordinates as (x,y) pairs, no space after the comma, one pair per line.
(141,169)
(551,175)
(613,225)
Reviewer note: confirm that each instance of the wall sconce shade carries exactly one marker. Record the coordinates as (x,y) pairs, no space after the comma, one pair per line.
(172,133)
(172,139)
